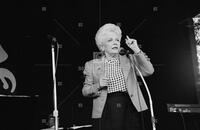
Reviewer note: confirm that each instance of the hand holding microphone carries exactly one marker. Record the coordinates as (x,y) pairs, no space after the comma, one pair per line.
(103,84)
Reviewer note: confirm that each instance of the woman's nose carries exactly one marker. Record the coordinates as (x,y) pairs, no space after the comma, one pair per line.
(116,43)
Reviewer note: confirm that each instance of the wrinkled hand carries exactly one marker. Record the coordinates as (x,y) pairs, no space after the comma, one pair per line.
(132,43)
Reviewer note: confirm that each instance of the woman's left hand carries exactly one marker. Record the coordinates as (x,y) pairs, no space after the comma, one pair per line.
(132,43)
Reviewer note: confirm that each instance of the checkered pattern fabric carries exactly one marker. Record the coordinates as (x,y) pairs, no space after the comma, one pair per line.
(116,78)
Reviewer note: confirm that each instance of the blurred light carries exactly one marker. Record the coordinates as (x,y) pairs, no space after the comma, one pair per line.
(44,9)
(196,24)
(60,83)
(44,121)
(80,105)
(80,24)
(119,24)
(60,45)
(155,9)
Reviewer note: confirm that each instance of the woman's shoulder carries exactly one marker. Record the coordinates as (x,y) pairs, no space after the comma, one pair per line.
(95,60)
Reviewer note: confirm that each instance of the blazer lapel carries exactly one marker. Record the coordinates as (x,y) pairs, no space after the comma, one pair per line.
(125,65)
(98,67)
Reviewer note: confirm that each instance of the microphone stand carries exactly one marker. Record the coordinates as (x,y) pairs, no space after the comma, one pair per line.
(153,120)
(55,112)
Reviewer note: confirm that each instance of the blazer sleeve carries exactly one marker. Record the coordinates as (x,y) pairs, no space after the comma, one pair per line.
(143,64)
(90,86)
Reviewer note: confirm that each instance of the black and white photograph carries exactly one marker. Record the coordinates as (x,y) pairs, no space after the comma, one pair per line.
(99,65)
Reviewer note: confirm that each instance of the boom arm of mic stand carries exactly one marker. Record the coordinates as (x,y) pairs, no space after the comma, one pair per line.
(55,113)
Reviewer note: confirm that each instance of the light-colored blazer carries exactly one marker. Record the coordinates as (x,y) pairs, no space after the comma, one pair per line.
(94,69)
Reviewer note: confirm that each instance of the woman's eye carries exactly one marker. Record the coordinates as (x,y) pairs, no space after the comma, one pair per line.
(109,40)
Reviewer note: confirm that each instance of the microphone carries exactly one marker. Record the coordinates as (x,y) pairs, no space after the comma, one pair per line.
(125,52)
(51,38)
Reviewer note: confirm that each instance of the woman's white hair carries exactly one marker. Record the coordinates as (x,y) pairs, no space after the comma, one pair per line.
(104,30)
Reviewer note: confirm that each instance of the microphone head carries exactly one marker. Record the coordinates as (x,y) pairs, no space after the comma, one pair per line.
(123,51)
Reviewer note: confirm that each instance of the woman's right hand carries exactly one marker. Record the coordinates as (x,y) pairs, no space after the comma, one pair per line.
(103,82)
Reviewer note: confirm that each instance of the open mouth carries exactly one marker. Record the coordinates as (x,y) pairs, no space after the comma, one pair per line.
(115,48)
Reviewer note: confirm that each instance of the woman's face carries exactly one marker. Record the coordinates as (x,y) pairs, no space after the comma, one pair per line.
(111,43)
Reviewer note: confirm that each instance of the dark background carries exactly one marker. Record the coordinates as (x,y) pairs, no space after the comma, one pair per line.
(161,28)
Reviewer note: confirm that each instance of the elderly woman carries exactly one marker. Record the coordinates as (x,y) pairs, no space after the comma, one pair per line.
(111,82)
